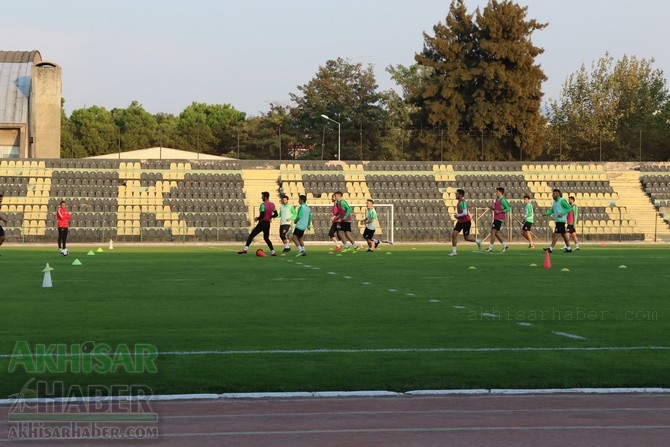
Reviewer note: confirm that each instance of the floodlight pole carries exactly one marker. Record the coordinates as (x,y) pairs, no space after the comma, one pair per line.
(338,134)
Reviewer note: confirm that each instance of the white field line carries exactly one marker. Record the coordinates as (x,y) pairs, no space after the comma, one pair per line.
(568,335)
(343,394)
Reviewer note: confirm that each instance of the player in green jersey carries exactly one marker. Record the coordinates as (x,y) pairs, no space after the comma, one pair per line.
(572,221)
(286,217)
(370,223)
(528,221)
(303,221)
(346,215)
(560,209)
(500,209)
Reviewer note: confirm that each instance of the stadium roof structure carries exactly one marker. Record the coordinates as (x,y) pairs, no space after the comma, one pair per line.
(15,78)
(160,153)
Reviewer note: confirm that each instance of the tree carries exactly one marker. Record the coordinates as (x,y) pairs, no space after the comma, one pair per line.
(222,119)
(68,146)
(264,135)
(347,93)
(194,129)
(94,131)
(167,131)
(412,114)
(138,127)
(483,80)
(602,114)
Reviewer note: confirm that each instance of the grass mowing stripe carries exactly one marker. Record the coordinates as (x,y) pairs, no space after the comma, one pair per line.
(373,350)
(415,350)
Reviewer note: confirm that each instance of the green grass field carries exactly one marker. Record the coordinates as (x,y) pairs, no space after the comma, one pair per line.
(407,317)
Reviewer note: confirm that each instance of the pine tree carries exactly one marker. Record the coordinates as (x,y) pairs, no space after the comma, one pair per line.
(484,81)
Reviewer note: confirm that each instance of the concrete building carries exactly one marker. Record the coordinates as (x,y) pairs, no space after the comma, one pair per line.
(30,106)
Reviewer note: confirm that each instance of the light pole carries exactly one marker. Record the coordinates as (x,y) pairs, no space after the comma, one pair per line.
(338,134)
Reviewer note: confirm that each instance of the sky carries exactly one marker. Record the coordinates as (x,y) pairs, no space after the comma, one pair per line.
(167,54)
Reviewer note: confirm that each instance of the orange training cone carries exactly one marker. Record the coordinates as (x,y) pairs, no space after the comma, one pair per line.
(547,260)
(260,253)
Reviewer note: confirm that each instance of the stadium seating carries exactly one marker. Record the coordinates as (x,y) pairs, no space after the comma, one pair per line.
(655,181)
(211,200)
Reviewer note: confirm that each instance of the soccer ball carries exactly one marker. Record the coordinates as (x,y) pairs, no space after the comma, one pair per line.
(64,252)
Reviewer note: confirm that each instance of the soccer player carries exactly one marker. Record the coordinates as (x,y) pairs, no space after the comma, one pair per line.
(267,213)
(345,214)
(370,226)
(572,221)
(286,217)
(303,221)
(528,221)
(3,220)
(63,217)
(500,209)
(332,233)
(560,210)
(463,223)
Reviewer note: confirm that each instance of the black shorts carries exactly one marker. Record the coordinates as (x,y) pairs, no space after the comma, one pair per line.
(368,233)
(283,230)
(527,226)
(560,228)
(2,232)
(571,228)
(465,226)
(497,225)
(333,230)
(298,232)
(344,226)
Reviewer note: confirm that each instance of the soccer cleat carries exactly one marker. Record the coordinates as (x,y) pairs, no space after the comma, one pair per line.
(286,250)
(355,249)
(567,250)
(345,249)
(453,253)
(504,248)
(302,253)
(489,250)
(531,245)
(577,247)
(369,250)
(479,244)
(242,252)
(549,249)
(273,254)
(377,243)
(338,248)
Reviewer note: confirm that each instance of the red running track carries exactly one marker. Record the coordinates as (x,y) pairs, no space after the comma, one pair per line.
(574,420)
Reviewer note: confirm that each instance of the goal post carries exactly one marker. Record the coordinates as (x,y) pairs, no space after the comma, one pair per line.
(321,215)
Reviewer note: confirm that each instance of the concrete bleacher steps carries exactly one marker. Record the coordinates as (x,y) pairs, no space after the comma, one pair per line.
(256,181)
(636,206)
